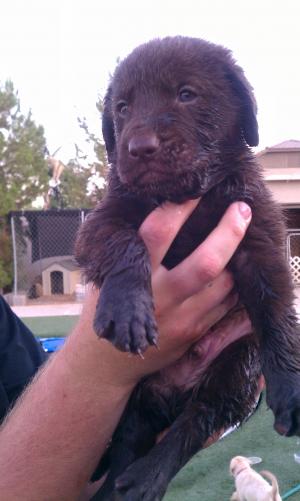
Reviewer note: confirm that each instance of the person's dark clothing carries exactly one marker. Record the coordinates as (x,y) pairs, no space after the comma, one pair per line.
(20,356)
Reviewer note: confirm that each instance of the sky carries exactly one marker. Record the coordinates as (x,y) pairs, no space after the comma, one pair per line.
(60,53)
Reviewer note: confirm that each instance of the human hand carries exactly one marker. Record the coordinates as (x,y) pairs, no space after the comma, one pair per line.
(196,294)
(188,299)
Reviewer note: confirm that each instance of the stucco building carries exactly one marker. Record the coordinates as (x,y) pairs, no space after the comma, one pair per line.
(281,165)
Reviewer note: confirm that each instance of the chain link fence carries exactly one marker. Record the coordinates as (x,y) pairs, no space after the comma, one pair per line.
(44,266)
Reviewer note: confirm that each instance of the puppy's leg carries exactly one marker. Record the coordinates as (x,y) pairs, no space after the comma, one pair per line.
(132,439)
(264,285)
(148,477)
(224,406)
(115,258)
(235,497)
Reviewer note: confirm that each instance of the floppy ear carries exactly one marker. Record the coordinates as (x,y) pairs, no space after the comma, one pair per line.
(243,89)
(108,129)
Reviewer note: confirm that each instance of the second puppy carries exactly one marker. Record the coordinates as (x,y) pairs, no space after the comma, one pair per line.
(250,485)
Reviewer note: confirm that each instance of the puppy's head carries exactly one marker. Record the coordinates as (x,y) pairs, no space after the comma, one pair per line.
(238,464)
(173,108)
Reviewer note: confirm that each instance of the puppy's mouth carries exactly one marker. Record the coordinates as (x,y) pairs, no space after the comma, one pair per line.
(153,183)
(175,177)
(146,175)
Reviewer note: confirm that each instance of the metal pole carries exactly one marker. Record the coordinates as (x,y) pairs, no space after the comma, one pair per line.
(13,234)
(83,276)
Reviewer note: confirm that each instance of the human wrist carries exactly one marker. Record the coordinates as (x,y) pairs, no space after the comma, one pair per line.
(95,361)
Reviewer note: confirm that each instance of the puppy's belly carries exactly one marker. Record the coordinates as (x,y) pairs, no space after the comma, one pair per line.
(189,370)
(253,487)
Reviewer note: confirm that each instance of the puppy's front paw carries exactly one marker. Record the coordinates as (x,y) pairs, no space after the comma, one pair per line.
(125,317)
(283,397)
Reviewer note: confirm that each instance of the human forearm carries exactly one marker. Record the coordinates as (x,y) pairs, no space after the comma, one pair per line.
(60,428)
(57,432)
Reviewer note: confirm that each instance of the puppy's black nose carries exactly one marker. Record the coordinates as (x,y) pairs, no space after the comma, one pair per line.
(143,145)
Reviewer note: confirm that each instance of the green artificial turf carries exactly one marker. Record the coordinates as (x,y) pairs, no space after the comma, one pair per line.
(206,477)
(51,326)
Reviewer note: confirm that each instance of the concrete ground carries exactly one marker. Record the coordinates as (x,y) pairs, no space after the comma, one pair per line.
(61,309)
(48,310)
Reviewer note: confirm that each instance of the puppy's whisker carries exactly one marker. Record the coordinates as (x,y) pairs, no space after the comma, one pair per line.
(140,353)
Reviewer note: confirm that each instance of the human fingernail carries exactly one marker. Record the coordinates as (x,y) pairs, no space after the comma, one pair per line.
(245,210)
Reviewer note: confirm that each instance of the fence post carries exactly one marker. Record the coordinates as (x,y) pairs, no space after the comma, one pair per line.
(13,234)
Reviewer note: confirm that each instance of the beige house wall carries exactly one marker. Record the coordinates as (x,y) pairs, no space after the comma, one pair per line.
(75,279)
(280,160)
(286,193)
(281,169)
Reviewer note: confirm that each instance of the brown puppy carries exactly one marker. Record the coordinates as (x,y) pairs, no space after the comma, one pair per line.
(178,118)
(250,486)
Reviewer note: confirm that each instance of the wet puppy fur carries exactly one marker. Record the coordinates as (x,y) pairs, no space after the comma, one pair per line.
(179,117)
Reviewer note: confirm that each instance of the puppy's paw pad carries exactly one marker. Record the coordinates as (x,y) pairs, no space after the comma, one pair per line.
(287,423)
(126,321)
(284,400)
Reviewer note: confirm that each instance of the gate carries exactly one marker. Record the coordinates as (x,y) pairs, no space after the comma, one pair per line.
(293,254)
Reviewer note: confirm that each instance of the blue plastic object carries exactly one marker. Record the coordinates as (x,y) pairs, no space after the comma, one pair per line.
(291,492)
(51,344)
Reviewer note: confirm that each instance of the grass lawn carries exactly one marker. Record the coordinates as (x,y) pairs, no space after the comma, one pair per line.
(51,326)
(206,476)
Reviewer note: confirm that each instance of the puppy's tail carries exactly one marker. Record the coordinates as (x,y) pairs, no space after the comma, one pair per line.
(273,480)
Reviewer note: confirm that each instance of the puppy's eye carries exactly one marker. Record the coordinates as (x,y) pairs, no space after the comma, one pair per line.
(122,108)
(186,95)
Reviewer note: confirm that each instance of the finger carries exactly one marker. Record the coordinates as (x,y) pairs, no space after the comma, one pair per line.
(216,314)
(211,257)
(208,297)
(167,295)
(212,295)
(161,227)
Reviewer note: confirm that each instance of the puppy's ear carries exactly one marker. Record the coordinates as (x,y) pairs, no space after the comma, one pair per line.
(108,129)
(244,91)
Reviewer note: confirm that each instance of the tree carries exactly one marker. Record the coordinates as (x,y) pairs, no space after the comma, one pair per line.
(71,192)
(99,167)
(82,181)
(6,269)
(23,170)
